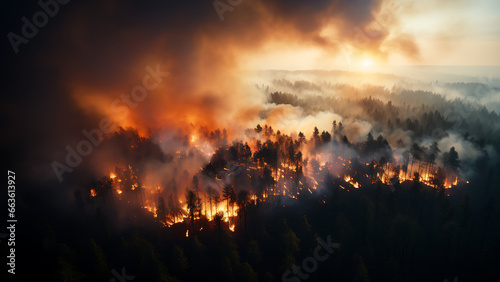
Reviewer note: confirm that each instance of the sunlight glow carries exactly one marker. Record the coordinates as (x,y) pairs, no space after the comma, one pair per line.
(367,63)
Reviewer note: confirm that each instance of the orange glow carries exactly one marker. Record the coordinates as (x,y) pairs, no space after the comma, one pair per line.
(350,180)
(284,183)
(151,209)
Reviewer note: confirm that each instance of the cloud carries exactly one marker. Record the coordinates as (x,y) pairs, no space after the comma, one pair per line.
(95,51)
(105,53)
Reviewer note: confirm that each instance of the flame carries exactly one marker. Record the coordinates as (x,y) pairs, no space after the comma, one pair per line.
(448,184)
(350,180)
(253,198)
(285,184)
(151,209)
(387,173)
(187,233)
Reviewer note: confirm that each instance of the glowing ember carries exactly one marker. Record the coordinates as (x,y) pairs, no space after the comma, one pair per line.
(350,180)
(288,178)
(151,209)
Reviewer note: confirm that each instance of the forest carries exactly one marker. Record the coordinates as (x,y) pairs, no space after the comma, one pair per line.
(263,206)
(263,140)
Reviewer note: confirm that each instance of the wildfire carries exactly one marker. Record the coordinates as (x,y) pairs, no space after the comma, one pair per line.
(350,180)
(151,209)
(287,178)
(253,198)
(448,184)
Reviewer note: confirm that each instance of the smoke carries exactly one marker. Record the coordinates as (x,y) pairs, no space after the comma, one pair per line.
(97,51)
(469,153)
(104,46)
(291,119)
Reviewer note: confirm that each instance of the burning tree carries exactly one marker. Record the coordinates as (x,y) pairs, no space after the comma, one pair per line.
(193,205)
(281,166)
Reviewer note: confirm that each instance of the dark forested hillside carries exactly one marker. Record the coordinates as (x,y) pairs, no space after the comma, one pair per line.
(272,208)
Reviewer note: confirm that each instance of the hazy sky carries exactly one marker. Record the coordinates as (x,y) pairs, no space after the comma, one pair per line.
(458,32)
(445,32)
(68,73)
(91,51)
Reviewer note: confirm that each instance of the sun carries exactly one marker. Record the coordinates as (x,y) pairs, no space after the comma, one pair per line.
(367,63)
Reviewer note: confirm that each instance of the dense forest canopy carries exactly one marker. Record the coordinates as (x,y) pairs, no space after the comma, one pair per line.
(400,181)
(262,140)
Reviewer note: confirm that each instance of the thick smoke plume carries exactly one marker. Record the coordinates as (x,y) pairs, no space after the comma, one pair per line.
(97,51)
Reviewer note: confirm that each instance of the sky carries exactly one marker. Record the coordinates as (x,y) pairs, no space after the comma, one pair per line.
(63,77)
(444,33)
